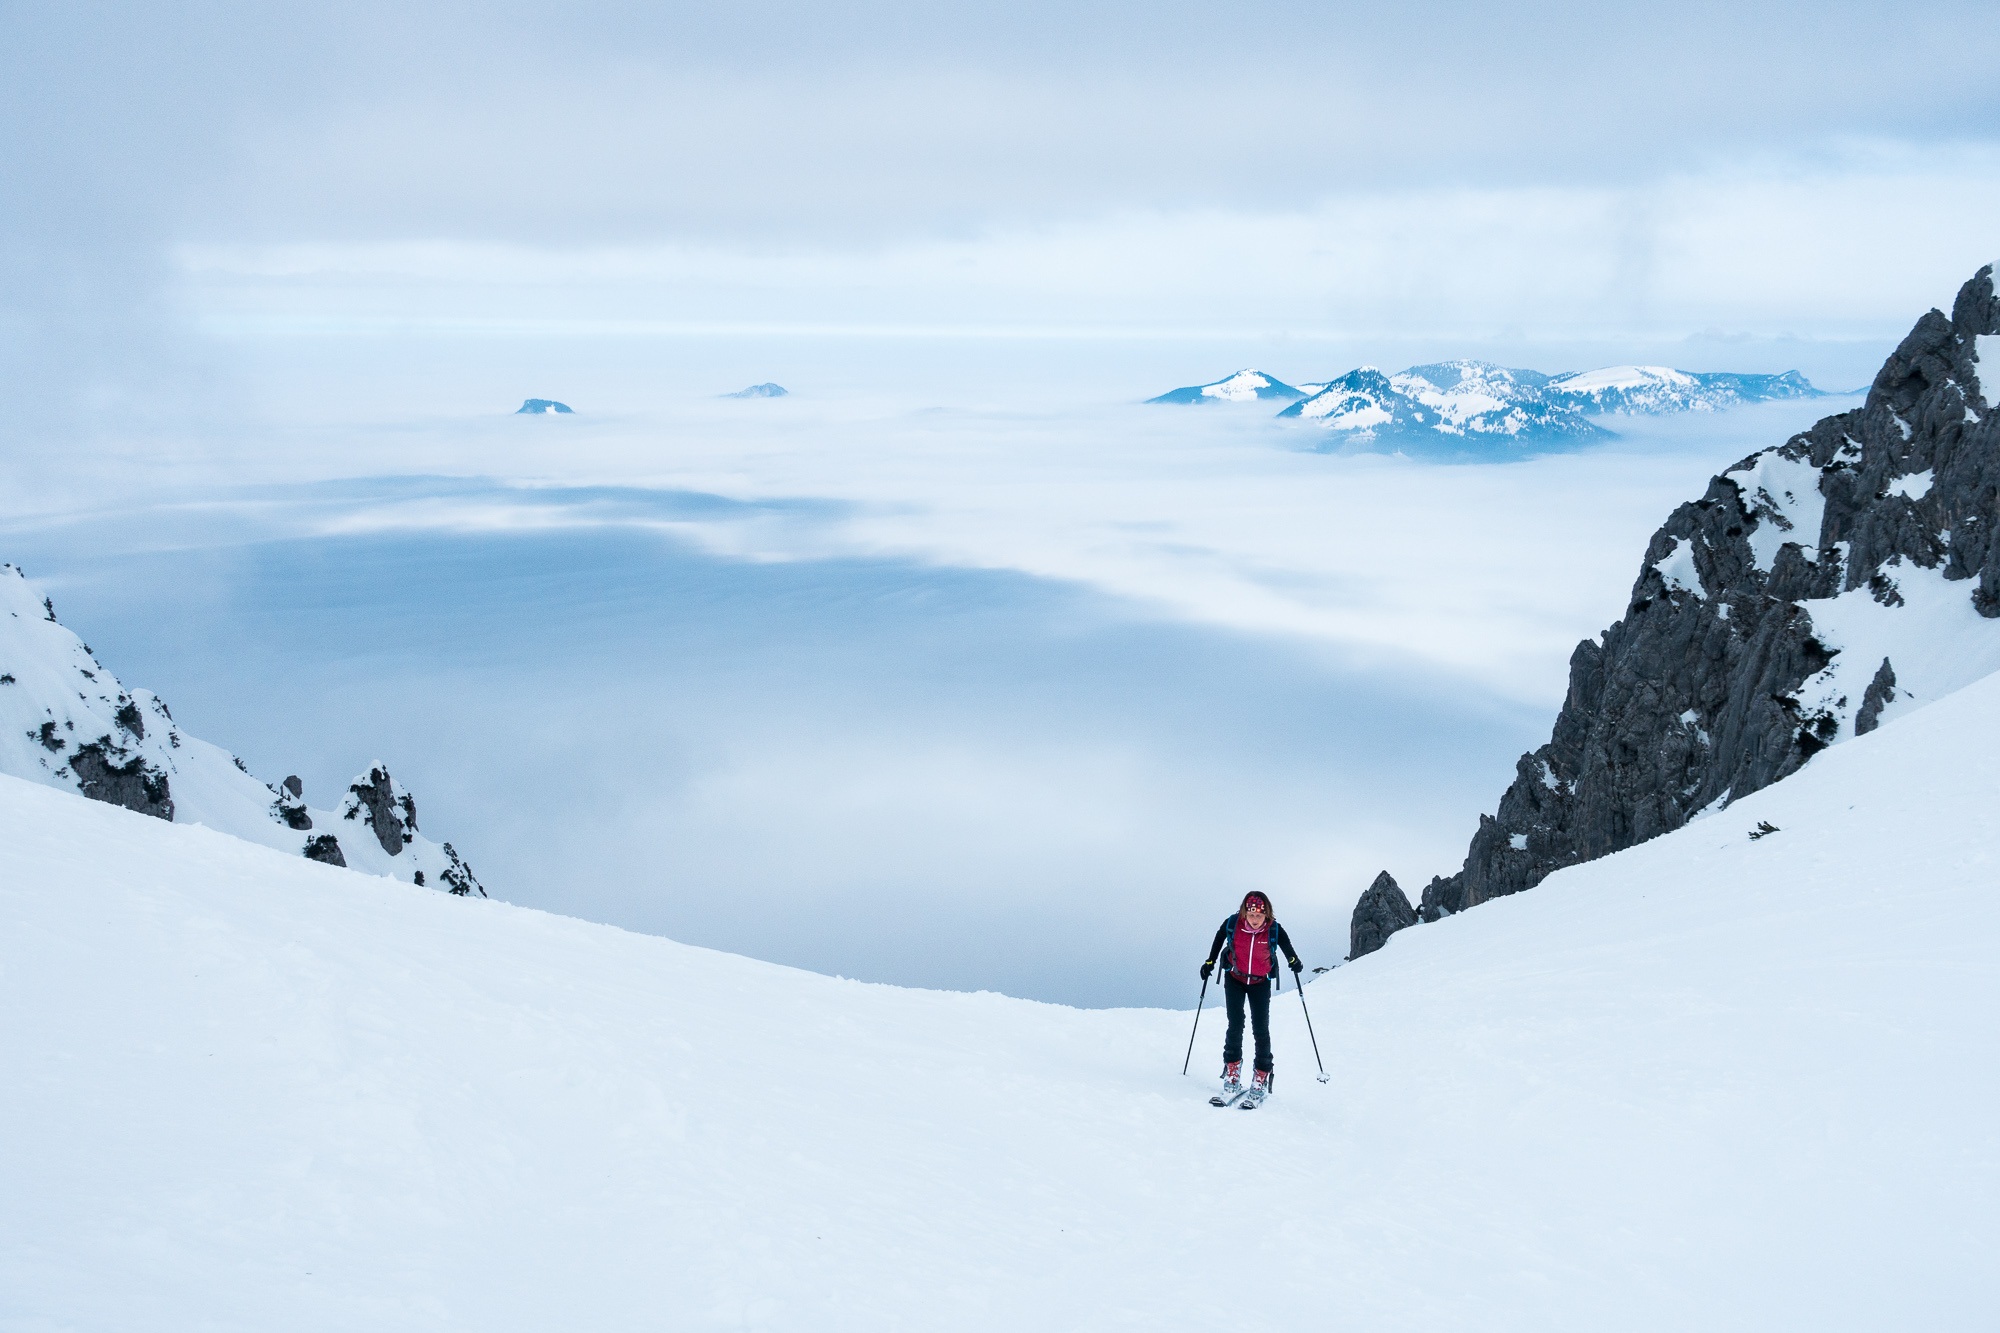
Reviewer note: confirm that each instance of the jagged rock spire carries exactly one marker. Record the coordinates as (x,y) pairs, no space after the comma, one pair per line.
(1382,911)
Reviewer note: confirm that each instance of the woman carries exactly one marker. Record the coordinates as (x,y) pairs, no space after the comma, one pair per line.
(1248,944)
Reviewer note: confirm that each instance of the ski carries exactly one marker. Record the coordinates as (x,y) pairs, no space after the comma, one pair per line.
(1227,1098)
(1252,1099)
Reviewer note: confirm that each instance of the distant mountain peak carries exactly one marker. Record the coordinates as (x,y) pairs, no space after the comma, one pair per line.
(766,390)
(1448,408)
(1245,386)
(1632,390)
(535,405)
(1450,376)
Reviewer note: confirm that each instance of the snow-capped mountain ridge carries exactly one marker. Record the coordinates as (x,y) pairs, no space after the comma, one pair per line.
(1466,406)
(1450,407)
(1815,591)
(1652,390)
(66,722)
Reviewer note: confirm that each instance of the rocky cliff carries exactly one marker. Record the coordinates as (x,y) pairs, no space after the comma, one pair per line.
(1813,591)
(67,722)
(1382,911)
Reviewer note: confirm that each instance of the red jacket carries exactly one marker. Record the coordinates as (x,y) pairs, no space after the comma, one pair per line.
(1250,951)
(1239,946)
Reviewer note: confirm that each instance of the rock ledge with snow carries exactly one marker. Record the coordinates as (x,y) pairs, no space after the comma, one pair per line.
(1816,591)
(67,723)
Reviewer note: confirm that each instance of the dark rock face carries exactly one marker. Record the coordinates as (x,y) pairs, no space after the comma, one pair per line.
(457,876)
(105,773)
(325,849)
(1880,691)
(1696,696)
(290,807)
(290,811)
(1382,911)
(393,816)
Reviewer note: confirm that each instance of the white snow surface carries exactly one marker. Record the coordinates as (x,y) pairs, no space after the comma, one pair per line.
(1627,390)
(1784,495)
(1241,387)
(1705,1083)
(1915,486)
(1480,389)
(1936,643)
(1623,377)
(1986,349)
(1678,568)
(1350,412)
(55,681)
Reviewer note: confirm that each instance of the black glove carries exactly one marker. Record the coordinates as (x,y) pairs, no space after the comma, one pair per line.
(1207,968)
(1297,967)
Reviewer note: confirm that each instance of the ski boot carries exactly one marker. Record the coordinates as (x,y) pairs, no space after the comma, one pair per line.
(1232,1084)
(1260,1088)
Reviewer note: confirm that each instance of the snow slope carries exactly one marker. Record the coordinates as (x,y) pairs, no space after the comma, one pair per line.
(1705,1083)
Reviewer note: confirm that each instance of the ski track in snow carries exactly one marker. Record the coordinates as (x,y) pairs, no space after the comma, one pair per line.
(1705,1083)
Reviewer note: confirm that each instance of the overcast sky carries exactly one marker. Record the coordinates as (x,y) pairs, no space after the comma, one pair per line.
(1563,171)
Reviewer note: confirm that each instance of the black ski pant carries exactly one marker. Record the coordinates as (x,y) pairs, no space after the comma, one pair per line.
(1259,996)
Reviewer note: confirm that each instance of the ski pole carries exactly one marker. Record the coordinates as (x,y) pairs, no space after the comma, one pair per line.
(1197,1025)
(1301,989)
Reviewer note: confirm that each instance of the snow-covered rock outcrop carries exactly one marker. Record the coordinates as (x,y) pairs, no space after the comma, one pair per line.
(1817,590)
(67,722)
(1245,386)
(1382,911)
(766,390)
(541,406)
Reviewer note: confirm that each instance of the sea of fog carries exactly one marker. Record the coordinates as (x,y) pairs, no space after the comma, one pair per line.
(947,679)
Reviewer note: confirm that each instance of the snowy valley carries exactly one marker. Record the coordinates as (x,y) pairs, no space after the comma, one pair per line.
(1707,1082)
